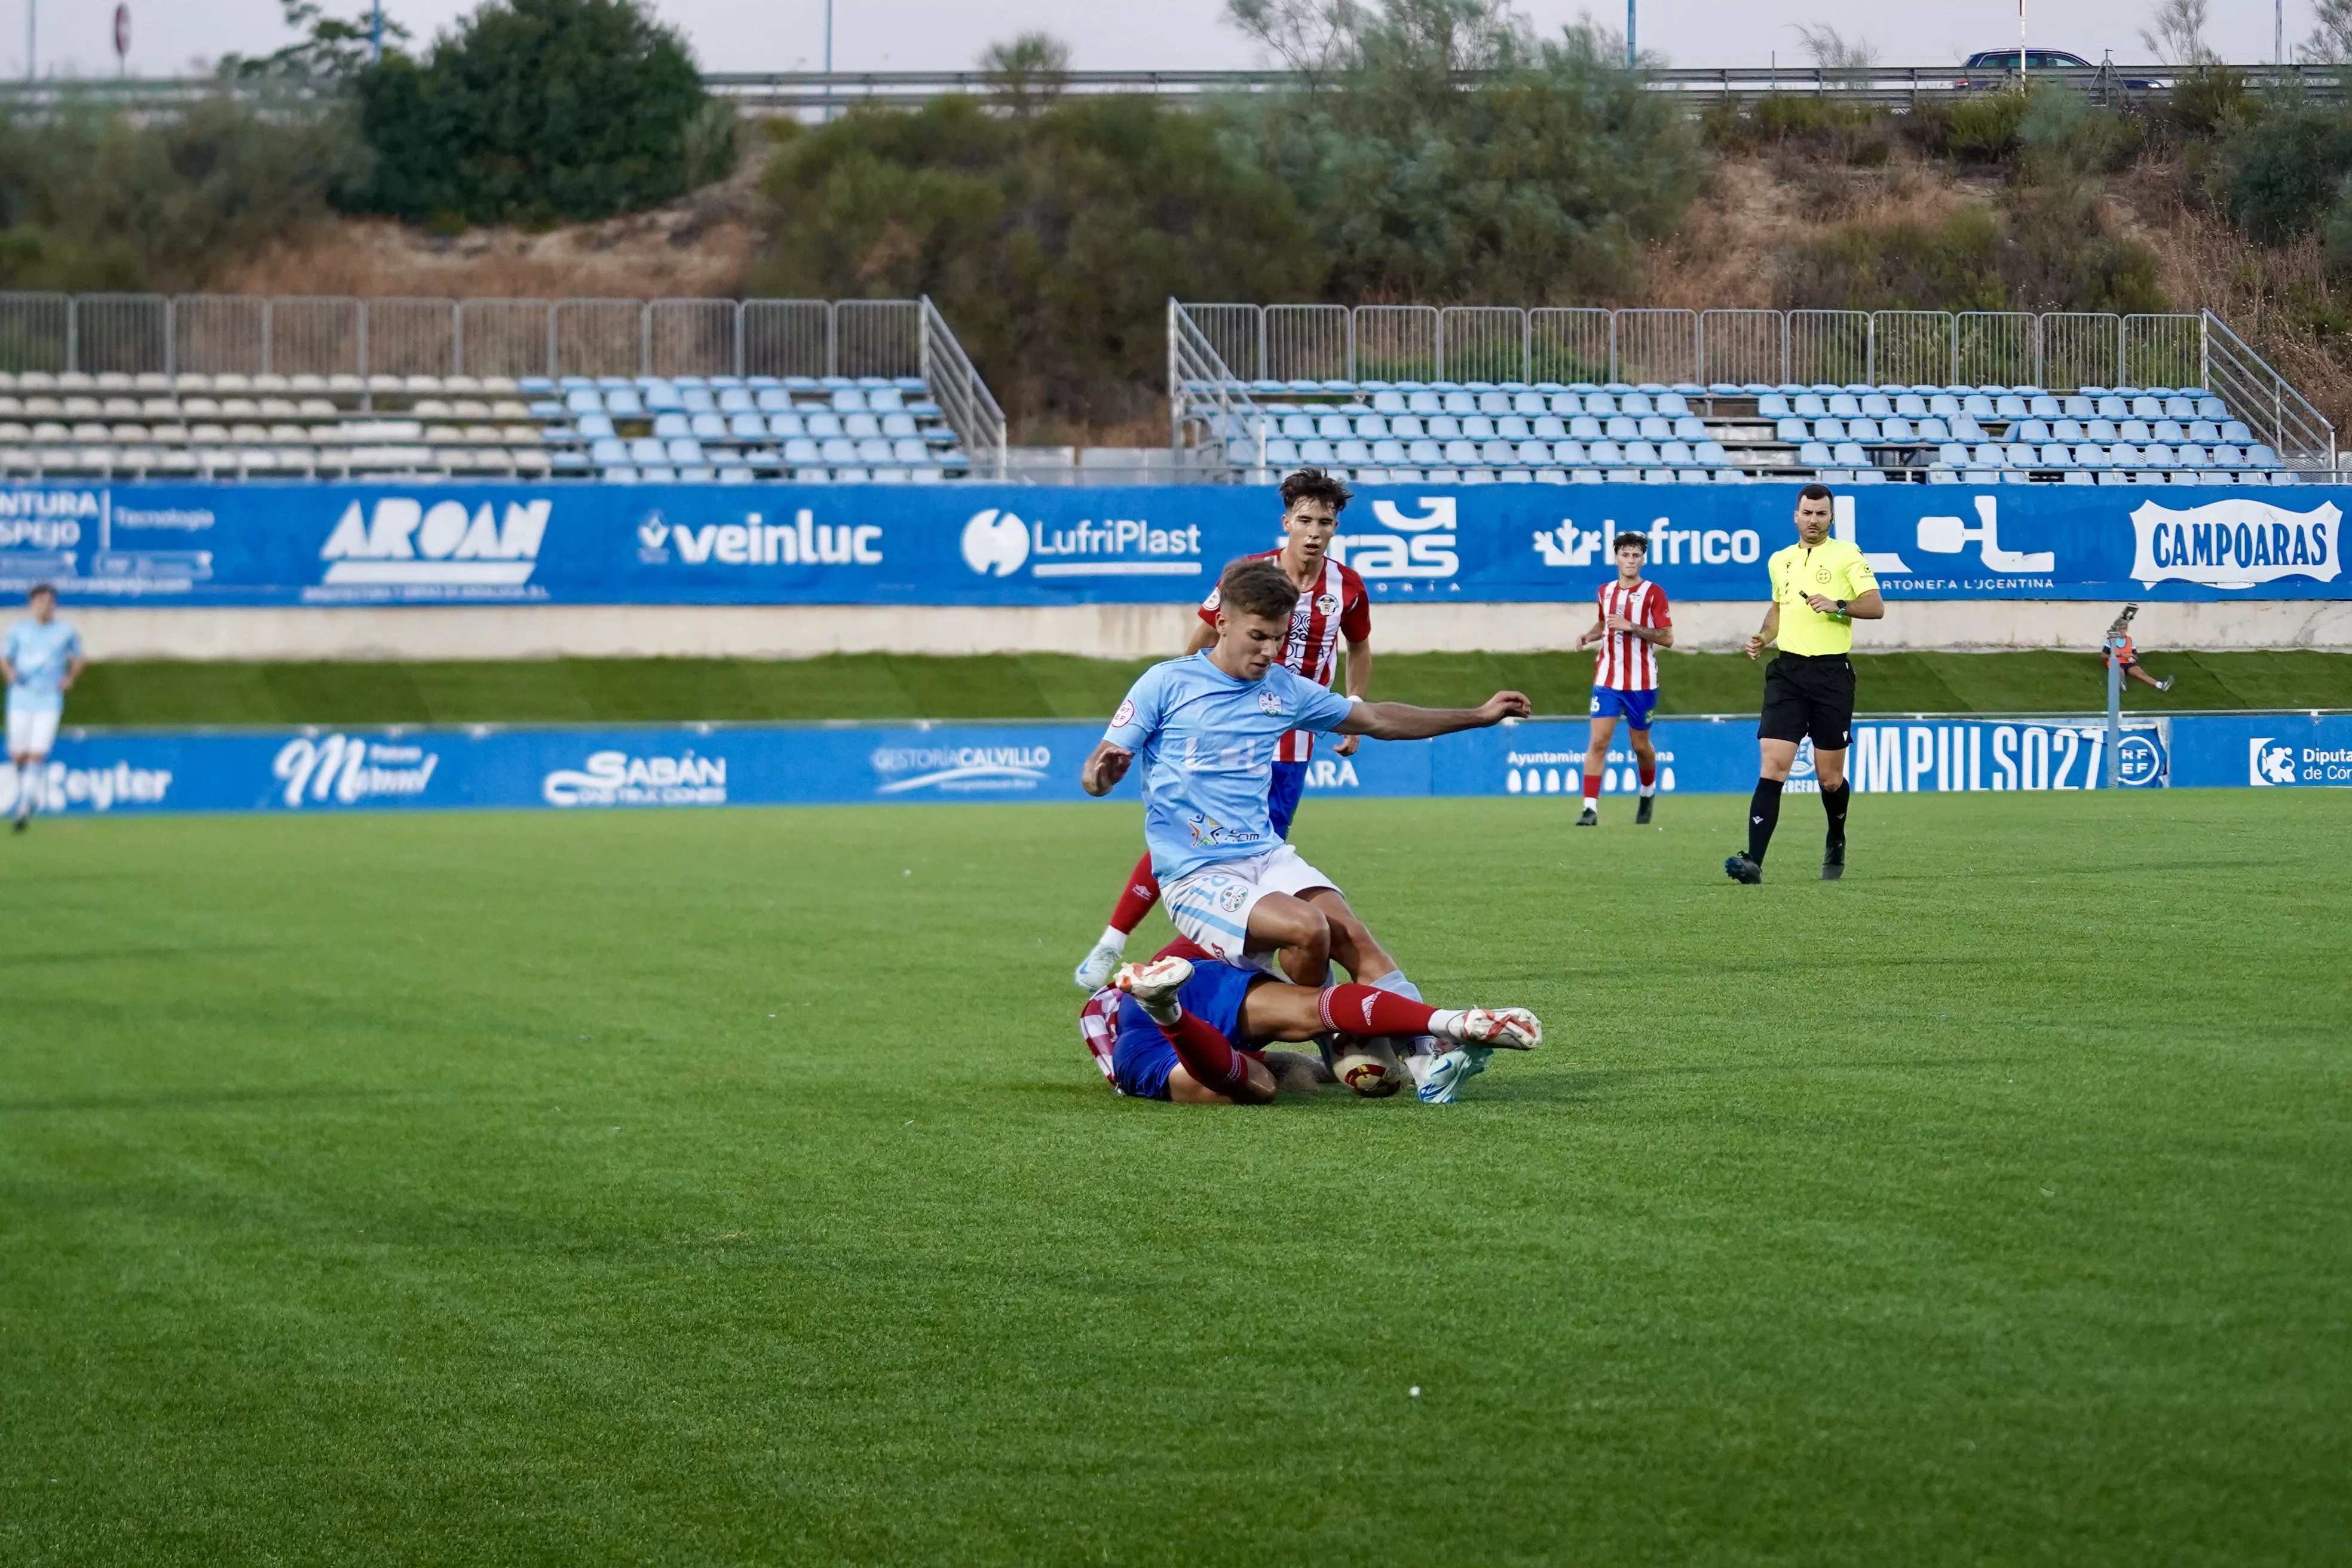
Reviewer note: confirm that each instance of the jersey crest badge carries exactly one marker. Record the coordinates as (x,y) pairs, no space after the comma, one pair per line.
(1270,704)
(1327,603)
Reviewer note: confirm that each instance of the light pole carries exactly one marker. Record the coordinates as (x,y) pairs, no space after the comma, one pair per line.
(828,61)
(32,38)
(375,36)
(1629,34)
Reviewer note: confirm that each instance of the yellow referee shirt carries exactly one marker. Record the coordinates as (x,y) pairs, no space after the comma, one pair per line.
(1833,568)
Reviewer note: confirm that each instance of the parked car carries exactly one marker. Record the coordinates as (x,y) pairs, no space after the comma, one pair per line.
(1994,69)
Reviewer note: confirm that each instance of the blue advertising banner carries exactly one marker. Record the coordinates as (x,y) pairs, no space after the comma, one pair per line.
(263,544)
(321,770)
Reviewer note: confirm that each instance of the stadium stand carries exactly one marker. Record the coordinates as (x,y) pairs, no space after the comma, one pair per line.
(1475,431)
(717,428)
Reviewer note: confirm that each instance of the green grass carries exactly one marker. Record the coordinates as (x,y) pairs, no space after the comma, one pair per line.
(731,1188)
(1052,686)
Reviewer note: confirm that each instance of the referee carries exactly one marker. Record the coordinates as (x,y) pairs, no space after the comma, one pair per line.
(1821,587)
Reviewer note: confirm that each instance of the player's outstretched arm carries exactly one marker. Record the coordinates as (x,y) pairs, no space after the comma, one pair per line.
(1403,722)
(1105,768)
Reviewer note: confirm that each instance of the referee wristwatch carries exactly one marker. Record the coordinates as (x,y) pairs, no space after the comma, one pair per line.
(1841,607)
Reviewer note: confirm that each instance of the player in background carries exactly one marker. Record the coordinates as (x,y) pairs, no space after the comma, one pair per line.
(1632,627)
(41,661)
(1332,605)
(1191,1030)
(1206,728)
(2119,648)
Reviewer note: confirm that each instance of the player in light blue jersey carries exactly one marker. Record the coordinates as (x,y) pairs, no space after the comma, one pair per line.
(41,659)
(1205,728)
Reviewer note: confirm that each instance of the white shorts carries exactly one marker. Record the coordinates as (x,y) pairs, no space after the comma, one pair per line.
(1211,906)
(31,731)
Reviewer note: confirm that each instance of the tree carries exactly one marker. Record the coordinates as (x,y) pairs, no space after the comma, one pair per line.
(1442,150)
(2175,33)
(2330,42)
(535,110)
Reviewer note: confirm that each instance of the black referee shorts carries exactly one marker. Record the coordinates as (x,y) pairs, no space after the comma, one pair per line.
(1809,695)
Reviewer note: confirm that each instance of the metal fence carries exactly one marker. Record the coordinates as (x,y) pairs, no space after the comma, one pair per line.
(313,335)
(2057,352)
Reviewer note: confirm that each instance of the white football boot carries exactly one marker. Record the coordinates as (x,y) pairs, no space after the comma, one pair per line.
(1095,970)
(1444,1075)
(1154,986)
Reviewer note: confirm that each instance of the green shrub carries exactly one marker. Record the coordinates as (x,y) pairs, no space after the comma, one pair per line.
(1985,129)
(2280,172)
(2037,251)
(90,200)
(2211,101)
(1053,240)
(535,110)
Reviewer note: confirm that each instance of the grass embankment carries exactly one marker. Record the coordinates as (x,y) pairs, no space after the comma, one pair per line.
(1048,686)
(730,1186)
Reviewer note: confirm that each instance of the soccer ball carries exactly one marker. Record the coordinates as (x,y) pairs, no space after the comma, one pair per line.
(1368,1075)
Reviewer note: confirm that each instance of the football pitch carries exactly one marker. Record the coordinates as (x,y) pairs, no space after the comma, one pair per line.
(732,1187)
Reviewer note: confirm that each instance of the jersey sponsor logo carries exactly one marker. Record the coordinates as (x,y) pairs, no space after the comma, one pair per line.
(998,543)
(1422,546)
(348,769)
(446,549)
(618,778)
(755,542)
(2235,543)
(1206,830)
(960,770)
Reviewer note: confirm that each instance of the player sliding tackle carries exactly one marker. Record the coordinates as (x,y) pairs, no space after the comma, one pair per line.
(1206,727)
(1168,1030)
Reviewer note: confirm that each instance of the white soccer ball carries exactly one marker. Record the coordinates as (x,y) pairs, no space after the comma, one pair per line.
(1367,1076)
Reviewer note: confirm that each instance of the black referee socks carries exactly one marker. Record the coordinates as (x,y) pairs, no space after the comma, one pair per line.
(1833,802)
(1763,815)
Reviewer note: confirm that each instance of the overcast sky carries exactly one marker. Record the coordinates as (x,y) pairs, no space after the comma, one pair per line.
(171,37)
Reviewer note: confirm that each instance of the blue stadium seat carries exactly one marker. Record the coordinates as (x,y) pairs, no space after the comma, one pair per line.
(2134,430)
(1636,403)
(1602,404)
(2017,454)
(1585,427)
(1844,406)
(2041,405)
(707,427)
(1864,428)
(1459,403)
(1548,427)
(2123,455)
(1389,453)
(1977,405)
(696,400)
(2213,408)
(1642,454)
(2180,408)
(1895,428)
(584,400)
(1386,403)
(1461,453)
(2009,405)
(1427,454)
(1624,428)
(1792,430)
(1497,454)
(1772,405)
(1849,455)
(2035,430)
(2056,455)
(607,452)
(911,451)
(1373,426)
(1731,477)
(838,450)
(1874,406)
(1981,476)
(2077,406)
(1316,453)
(1867,477)
(747,428)
(1607,455)
(1829,430)
(623,401)
(684,450)
(596,426)
(2167,431)
(2234,431)
(1477,427)
(1933,428)
(1446,427)
(1657,427)
(802,452)
(2228,457)
(1944,406)
(736,400)
(1571,454)
(669,425)
(2158,458)
(1424,403)
(1331,427)
(2192,457)
(1534,454)
(2101,430)
(2204,432)
(2067,430)
(1711,454)
(2262,456)
(2090,454)
(822,425)
(1298,427)
(1952,454)
(1407,427)
(849,400)
(1492,402)
(1812,455)
(2144,407)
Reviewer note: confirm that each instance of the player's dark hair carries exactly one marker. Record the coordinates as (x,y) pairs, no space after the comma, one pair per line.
(1640,542)
(1815,492)
(39,589)
(1314,484)
(1256,586)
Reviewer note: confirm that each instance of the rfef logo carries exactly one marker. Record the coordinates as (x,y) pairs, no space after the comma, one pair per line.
(404,544)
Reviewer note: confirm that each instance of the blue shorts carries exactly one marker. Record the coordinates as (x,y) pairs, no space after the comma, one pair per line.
(1633,707)
(1282,798)
(1143,1058)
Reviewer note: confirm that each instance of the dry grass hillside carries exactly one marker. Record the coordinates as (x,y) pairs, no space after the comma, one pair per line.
(1754,213)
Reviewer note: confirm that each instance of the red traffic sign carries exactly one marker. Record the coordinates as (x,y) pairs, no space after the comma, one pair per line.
(122,31)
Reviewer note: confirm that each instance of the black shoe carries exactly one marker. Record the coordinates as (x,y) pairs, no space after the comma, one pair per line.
(1740,868)
(20,825)
(1590,818)
(1834,862)
(1642,812)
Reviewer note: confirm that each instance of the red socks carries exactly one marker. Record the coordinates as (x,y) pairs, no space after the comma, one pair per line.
(1591,789)
(1207,1055)
(1135,900)
(1369,1010)
(1649,775)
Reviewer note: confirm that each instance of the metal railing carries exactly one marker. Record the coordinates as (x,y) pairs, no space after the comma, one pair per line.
(331,335)
(1206,403)
(2057,352)
(795,92)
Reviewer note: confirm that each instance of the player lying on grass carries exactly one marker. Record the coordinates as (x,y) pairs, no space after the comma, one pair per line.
(1207,727)
(1332,605)
(1194,1031)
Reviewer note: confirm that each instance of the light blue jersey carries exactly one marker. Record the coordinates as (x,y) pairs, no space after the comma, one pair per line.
(1205,743)
(40,655)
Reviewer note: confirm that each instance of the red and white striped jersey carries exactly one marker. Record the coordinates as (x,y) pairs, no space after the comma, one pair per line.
(1626,663)
(1098,1028)
(1337,608)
